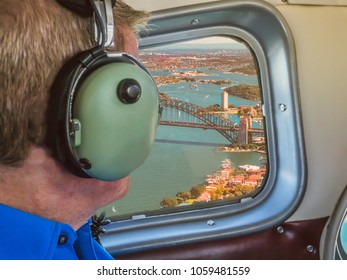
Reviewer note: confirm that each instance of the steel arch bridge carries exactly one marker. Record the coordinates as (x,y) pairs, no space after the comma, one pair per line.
(185,114)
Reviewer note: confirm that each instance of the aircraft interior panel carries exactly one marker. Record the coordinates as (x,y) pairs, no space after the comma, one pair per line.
(299,47)
(320,43)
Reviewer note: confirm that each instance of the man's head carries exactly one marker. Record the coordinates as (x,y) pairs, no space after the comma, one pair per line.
(36,38)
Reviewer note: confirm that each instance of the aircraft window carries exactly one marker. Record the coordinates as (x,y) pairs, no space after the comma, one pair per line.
(210,147)
(192,84)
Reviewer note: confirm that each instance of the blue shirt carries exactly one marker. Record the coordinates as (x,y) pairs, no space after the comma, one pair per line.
(24,236)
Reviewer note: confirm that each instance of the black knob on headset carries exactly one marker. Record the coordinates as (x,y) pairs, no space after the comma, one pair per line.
(129,91)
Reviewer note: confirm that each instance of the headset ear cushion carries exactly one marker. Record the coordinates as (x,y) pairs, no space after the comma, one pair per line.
(102,115)
(116,135)
(58,123)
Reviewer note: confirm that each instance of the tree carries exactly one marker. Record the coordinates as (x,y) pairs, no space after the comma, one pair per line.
(240,171)
(196,191)
(184,195)
(219,191)
(221,183)
(168,202)
(214,196)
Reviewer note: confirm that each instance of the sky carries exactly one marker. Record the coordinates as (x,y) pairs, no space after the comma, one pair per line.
(207,43)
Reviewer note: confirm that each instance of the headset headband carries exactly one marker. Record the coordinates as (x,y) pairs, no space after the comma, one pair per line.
(103,17)
(81,7)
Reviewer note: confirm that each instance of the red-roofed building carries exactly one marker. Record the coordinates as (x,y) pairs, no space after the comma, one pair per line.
(237,180)
(204,197)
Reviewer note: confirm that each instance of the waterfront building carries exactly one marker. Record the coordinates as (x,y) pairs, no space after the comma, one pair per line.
(204,197)
(226,164)
(237,180)
(255,177)
(249,167)
(251,182)
(212,179)
(211,188)
(225,101)
(225,174)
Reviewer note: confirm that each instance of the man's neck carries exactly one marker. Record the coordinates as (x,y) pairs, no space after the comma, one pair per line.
(42,187)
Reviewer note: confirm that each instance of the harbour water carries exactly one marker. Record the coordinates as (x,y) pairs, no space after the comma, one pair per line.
(172,168)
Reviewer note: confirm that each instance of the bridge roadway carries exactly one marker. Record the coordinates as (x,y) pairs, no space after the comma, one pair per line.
(202,119)
(207,126)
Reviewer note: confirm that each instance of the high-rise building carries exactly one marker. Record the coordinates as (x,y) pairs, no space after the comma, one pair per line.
(225,101)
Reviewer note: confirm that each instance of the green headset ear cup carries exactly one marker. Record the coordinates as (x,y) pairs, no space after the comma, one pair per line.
(115,137)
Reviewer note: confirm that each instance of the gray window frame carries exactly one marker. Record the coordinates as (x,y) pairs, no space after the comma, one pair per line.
(264,29)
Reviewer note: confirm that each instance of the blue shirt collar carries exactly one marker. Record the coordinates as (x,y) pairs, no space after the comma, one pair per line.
(27,236)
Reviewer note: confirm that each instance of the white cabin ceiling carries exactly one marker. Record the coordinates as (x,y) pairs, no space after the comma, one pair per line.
(154,5)
(319,2)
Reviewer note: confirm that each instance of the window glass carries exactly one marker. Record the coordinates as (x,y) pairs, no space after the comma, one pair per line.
(210,147)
